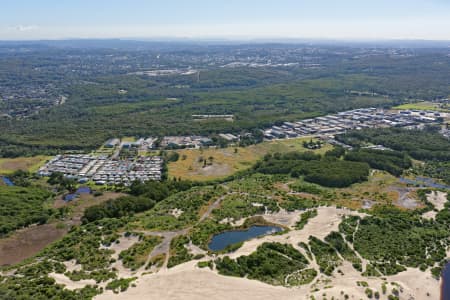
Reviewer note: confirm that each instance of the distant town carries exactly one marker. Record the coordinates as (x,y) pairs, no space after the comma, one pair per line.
(116,168)
(330,125)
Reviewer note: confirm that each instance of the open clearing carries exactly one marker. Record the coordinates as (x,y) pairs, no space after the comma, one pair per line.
(78,205)
(30,164)
(425,105)
(27,242)
(227,161)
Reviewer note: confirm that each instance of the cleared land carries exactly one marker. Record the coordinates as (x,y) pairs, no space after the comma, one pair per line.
(425,105)
(30,164)
(27,242)
(226,161)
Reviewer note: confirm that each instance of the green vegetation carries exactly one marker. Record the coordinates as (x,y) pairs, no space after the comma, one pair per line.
(119,285)
(272,263)
(393,239)
(116,208)
(162,216)
(178,252)
(434,169)
(304,218)
(393,162)
(326,256)
(202,232)
(22,207)
(82,244)
(136,256)
(156,261)
(237,206)
(205,264)
(336,240)
(426,144)
(324,171)
(101,112)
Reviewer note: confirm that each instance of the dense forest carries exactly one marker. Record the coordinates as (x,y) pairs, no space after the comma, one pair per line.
(109,96)
(22,207)
(425,145)
(419,144)
(326,171)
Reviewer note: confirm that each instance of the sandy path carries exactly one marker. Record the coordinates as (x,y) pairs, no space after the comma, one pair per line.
(69,284)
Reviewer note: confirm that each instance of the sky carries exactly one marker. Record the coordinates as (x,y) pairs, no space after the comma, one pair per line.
(225,19)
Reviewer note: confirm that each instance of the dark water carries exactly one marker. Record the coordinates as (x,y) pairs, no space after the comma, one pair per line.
(445,288)
(83,190)
(7,181)
(223,240)
(70,197)
(424,182)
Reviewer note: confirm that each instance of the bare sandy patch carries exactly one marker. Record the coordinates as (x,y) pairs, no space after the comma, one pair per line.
(187,282)
(69,284)
(438,199)
(326,221)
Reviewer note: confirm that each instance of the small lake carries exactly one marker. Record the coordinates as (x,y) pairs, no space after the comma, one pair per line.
(7,181)
(445,288)
(424,182)
(222,240)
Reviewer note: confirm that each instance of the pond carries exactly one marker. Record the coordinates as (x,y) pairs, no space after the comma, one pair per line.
(7,181)
(222,240)
(424,182)
(70,197)
(445,288)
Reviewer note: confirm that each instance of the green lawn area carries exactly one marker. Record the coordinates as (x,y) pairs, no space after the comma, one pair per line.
(425,105)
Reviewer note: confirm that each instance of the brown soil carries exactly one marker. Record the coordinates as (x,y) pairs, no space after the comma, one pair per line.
(27,242)
(80,204)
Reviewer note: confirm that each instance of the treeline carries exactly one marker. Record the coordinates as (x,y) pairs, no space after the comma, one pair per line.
(419,144)
(21,207)
(393,162)
(143,197)
(326,171)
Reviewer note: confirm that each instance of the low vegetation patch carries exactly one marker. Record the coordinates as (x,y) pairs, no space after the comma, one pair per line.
(271,263)
(304,218)
(136,256)
(325,254)
(21,207)
(178,252)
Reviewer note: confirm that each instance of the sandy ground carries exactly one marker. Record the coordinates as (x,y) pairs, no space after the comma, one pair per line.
(438,199)
(188,282)
(327,220)
(71,285)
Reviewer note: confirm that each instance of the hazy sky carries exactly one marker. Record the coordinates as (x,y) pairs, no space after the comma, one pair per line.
(239,19)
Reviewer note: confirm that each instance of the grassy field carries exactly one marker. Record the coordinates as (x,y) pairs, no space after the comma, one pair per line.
(31,164)
(226,161)
(425,105)
(379,189)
